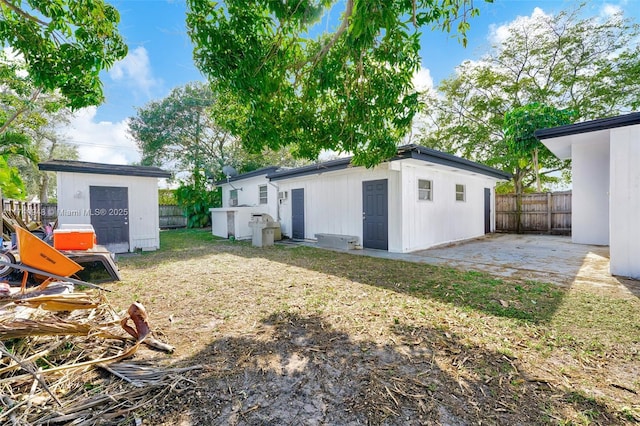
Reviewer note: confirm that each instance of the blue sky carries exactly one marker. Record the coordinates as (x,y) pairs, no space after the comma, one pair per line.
(160,59)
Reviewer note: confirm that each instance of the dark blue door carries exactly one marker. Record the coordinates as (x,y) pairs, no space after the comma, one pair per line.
(487,210)
(375,215)
(110,217)
(297,214)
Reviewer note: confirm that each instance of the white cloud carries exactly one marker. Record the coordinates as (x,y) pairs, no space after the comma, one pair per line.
(135,71)
(609,10)
(423,83)
(100,142)
(422,80)
(499,33)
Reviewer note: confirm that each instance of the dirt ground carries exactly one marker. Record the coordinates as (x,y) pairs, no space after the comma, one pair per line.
(299,336)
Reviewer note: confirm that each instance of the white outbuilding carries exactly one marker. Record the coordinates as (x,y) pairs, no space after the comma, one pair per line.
(418,199)
(121,202)
(243,196)
(604,155)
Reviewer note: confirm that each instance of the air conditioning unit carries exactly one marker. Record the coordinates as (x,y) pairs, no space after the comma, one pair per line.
(233,202)
(282,195)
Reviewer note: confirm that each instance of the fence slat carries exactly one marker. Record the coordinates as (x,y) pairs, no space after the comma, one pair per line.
(548,212)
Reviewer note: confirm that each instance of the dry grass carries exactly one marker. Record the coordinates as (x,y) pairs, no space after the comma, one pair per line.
(297,335)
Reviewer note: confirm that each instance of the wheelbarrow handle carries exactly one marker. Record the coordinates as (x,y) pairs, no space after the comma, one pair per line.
(49,274)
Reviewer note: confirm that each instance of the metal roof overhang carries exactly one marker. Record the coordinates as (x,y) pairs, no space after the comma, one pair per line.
(102,169)
(437,157)
(415,152)
(253,173)
(560,139)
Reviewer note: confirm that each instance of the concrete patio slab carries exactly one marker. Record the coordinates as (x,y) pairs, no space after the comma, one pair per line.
(548,258)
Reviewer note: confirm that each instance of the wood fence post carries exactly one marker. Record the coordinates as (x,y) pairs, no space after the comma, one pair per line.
(549,218)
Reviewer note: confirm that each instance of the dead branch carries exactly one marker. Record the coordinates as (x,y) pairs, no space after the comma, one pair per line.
(35,374)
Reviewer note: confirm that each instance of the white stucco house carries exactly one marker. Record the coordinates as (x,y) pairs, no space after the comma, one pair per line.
(121,202)
(605,159)
(418,199)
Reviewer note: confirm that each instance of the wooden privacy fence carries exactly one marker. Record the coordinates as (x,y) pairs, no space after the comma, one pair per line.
(22,209)
(547,212)
(170,216)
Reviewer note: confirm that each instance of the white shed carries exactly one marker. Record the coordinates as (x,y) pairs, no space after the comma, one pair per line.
(121,202)
(604,156)
(418,199)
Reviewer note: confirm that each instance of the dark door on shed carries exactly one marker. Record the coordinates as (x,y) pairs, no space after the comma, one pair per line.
(297,214)
(487,210)
(375,215)
(110,216)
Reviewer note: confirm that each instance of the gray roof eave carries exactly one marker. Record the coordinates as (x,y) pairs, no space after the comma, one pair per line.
(589,126)
(438,157)
(313,169)
(253,173)
(407,151)
(71,166)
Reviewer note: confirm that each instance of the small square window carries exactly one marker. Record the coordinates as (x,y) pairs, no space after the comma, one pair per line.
(460,193)
(233,197)
(262,189)
(425,189)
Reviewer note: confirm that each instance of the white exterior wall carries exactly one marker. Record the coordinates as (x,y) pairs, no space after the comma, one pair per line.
(237,226)
(590,199)
(333,204)
(249,196)
(625,202)
(443,219)
(248,204)
(144,222)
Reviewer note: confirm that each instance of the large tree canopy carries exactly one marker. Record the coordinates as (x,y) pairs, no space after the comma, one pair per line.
(47,143)
(22,111)
(65,44)
(186,132)
(588,66)
(349,90)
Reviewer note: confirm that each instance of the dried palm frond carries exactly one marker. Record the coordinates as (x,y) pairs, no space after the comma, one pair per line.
(59,353)
(60,302)
(20,328)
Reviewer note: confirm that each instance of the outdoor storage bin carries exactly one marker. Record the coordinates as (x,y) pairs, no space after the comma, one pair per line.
(74,237)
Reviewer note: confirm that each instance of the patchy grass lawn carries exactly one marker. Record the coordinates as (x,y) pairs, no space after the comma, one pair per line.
(298,335)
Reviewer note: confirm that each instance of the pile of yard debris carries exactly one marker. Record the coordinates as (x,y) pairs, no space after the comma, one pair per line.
(66,358)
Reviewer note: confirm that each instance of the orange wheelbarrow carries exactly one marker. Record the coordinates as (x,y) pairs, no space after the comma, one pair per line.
(42,259)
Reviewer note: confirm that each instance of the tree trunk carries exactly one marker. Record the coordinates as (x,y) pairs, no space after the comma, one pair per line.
(44,187)
(536,170)
(44,176)
(517,183)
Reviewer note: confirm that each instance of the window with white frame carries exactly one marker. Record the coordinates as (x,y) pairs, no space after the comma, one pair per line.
(460,193)
(425,190)
(262,189)
(233,197)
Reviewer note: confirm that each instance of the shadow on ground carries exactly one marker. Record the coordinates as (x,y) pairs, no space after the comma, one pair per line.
(299,370)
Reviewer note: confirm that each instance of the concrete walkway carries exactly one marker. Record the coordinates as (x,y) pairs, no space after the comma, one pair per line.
(547,258)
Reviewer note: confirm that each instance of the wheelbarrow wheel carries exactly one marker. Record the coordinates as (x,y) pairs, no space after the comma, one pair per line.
(6,257)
